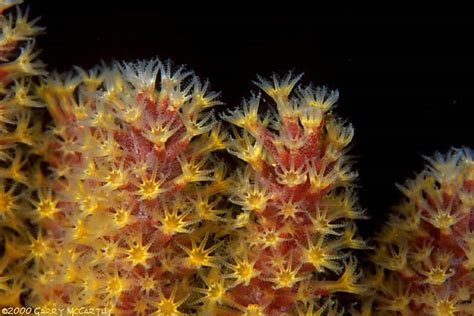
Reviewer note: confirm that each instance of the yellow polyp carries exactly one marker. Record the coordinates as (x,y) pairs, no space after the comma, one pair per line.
(115,285)
(248,149)
(138,254)
(286,277)
(437,275)
(339,135)
(291,177)
(116,178)
(205,209)
(279,90)
(12,250)
(198,256)
(140,306)
(14,170)
(173,223)
(89,205)
(22,96)
(322,255)
(192,172)
(167,306)
(214,140)
(316,257)
(159,132)
(89,144)
(443,220)
(8,201)
(347,282)
(150,188)
(214,292)
(256,201)
(132,114)
(247,117)
(201,101)
(109,250)
(270,238)
(122,217)
(92,83)
(148,283)
(253,310)
(311,118)
(220,182)
(243,270)
(445,306)
(80,231)
(38,247)
(168,262)
(46,206)
(72,274)
(12,296)
(351,239)
(320,180)
(289,210)
(241,220)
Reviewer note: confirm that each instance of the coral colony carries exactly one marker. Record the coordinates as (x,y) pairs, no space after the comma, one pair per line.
(117,197)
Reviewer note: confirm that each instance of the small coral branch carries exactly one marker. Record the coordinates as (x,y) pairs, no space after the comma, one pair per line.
(292,235)
(425,252)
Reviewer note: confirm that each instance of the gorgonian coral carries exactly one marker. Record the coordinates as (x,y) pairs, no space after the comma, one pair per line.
(112,197)
(293,234)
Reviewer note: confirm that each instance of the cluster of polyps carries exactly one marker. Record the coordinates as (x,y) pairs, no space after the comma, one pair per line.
(127,214)
(425,253)
(18,128)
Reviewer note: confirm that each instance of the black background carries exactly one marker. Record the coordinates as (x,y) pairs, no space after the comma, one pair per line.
(405,81)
